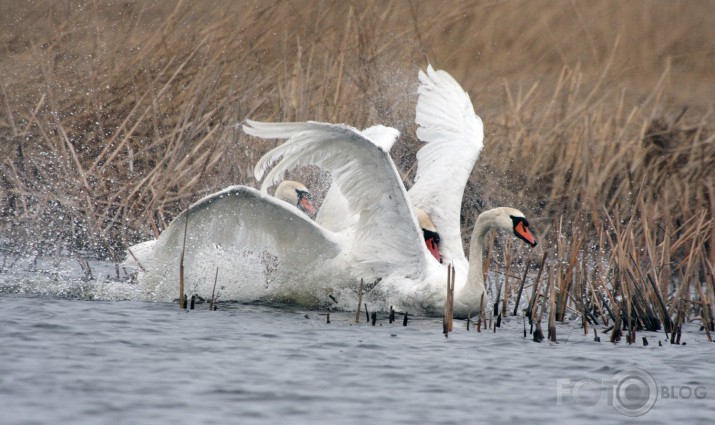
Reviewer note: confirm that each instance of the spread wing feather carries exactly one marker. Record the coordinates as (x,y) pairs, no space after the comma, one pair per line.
(238,219)
(387,238)
(453,135)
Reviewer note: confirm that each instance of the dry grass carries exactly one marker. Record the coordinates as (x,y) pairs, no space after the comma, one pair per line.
(115,117)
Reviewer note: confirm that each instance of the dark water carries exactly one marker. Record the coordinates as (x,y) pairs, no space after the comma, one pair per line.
(102,362)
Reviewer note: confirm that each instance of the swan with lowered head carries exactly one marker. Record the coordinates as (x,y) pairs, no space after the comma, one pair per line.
(380,238)
(224,231)
(385,245)
(501,218)
(296,194)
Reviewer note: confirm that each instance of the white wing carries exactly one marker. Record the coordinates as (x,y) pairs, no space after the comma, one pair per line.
(334,213)
(382,136)
(387,237)
(231,223)
(453,136)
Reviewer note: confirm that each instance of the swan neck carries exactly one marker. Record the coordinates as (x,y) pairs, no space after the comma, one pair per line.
(476,253)
(474,288)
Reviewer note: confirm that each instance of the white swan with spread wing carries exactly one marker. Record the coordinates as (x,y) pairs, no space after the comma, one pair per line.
(371,229)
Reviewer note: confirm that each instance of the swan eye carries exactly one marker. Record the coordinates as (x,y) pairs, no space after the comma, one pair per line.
(430,235)
(517,220)
(302,194)
(521,230)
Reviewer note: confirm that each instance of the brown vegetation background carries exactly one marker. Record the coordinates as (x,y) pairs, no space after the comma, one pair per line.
(116,115)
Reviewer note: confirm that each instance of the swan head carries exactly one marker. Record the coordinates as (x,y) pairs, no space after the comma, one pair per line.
(430,233)
(510,219)
(296,194)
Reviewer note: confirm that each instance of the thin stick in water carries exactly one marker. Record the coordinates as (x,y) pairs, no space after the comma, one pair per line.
(535,290)
(213,291)
(482,316)
(357,312)
(182,301)
(552,310)
(449,302)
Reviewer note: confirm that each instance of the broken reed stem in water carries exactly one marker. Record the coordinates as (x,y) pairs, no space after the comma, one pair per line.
(535,290)
(357,313)
(482,316)
(451,300)
(449,303)
(552,310)
(709,302)
(629,311)
(445,319)
(706,314)
(213,291)
(584,295)
(182,301)
(538,333)
(521,286)
(617,323)
(565,286)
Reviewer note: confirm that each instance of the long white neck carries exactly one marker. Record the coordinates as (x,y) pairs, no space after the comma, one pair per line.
(469,297)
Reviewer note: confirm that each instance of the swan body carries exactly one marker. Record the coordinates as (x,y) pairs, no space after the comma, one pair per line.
(369,227)
(233,229)
(388,242)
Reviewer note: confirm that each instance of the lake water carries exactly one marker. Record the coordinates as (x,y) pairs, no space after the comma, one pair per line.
(68,359)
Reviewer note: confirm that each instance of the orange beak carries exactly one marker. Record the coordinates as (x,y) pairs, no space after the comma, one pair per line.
(307,206)
(524,233)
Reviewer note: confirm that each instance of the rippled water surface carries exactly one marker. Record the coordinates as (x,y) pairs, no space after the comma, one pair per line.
(111,362)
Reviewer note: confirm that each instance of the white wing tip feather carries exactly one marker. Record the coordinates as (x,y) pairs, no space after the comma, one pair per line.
(382,136)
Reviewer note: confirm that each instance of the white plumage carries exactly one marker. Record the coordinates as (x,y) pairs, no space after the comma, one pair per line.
(367,226)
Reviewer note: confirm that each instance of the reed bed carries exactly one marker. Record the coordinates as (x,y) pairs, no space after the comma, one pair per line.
(599,126)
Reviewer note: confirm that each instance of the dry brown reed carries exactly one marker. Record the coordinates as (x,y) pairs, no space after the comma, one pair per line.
(449,301)
(552,308)
(115,117)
